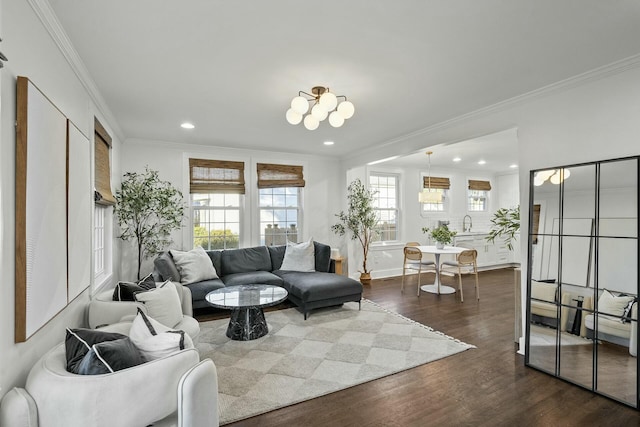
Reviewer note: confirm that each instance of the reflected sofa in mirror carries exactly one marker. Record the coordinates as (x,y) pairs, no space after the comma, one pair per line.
(583,276)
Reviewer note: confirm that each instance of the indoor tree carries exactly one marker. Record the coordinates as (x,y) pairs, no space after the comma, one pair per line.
(505,223)
(148,210)
(359,220)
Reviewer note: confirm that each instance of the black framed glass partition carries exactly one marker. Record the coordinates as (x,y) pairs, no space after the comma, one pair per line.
(582,276)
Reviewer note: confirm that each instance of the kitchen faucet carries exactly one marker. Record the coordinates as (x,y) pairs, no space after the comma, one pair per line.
(464,224)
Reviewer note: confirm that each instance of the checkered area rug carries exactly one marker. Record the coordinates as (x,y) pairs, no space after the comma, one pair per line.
(333,349)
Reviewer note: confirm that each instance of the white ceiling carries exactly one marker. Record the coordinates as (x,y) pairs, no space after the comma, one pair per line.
(232,67)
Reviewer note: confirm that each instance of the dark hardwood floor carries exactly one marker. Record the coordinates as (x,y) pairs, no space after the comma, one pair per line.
(487,386)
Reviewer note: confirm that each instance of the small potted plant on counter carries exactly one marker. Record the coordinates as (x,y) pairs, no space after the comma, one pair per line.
(441,235)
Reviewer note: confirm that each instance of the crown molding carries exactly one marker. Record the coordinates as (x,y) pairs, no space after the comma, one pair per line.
(47,16)
(574,81)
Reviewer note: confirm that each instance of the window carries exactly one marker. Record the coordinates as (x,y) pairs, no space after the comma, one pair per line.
(438,185)
(216,188)
(102,235)
(280,203)
(279,215)
(102,213)
(216,220)
(478,196)
(386,205)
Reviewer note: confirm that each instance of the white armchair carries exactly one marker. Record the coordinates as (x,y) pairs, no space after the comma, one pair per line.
(177,390)
(543,303)
(610,328)
(104,311)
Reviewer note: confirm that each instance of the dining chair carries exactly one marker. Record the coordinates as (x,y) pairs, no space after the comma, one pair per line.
(465,263)
(413,261)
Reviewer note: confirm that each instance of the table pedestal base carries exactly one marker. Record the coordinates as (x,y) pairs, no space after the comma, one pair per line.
(434,289)
(247,323)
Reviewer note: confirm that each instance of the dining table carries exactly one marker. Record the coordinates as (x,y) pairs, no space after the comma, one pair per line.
(438,287)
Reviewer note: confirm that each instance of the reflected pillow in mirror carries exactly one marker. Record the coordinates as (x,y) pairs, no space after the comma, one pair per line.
(613,305)
(544,291)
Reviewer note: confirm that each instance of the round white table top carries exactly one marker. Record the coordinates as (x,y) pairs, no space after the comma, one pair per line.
(445,250)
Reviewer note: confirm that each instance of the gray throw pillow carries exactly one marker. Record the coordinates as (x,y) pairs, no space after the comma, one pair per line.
(166,267)
(194,266)
(110,356)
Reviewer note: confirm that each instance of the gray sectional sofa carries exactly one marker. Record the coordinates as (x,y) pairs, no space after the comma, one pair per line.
(261,265)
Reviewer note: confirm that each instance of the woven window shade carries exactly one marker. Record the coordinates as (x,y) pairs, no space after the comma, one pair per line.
(216,176)
(271,176)
(436,182)
(102,181)
(479,185)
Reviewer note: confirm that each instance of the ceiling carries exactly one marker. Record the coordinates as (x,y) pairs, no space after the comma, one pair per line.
(231,68)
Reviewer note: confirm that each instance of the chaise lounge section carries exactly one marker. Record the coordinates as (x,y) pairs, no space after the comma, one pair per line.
(308,290)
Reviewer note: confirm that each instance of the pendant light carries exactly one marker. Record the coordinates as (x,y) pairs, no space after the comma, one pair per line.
(427,195)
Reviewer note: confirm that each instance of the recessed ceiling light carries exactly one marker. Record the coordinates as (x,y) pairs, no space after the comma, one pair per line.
(513,166)
(457,159)
(187,125)
(481,162)
(328,143)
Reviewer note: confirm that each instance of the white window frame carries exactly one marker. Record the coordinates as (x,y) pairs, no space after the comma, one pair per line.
(102,245)
(281,238)
(471,195)
(239,208)
(396,177)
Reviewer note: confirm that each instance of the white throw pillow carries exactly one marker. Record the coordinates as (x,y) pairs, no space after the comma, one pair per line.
(155,340)
(163,304)
(299,257)
(194,266)
(612,304)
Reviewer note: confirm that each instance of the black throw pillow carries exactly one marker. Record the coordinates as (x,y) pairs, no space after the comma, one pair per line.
(110,356)
(125,291)
(148,282)
(79,341)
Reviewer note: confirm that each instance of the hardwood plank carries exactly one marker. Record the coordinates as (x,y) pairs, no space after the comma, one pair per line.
(487,386)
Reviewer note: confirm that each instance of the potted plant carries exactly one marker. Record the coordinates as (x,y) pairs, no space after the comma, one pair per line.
(441,235)
(505,223)
(359,220)
(148,210)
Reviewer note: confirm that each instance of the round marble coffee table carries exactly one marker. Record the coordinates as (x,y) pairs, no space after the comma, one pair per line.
(246,302)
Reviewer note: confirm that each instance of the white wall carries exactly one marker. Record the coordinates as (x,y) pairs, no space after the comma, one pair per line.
(33,54)
(385,260)
(594,118)
(322,195)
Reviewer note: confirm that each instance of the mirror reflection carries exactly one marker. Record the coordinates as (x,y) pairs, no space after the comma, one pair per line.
(583,247)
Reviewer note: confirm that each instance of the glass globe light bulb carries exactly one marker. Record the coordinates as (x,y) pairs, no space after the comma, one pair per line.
(346,109)
(311,122)
(335,119)
(329,101)
(300,105)
(555,178)
(293,117)
(319,112)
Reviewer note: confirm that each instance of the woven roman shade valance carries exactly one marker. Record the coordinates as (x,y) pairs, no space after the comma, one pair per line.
(102,181)
(272,176)
(216,176)
(436,182)
(479,185)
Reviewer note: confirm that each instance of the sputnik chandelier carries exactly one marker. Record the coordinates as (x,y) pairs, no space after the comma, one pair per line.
(324,104)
